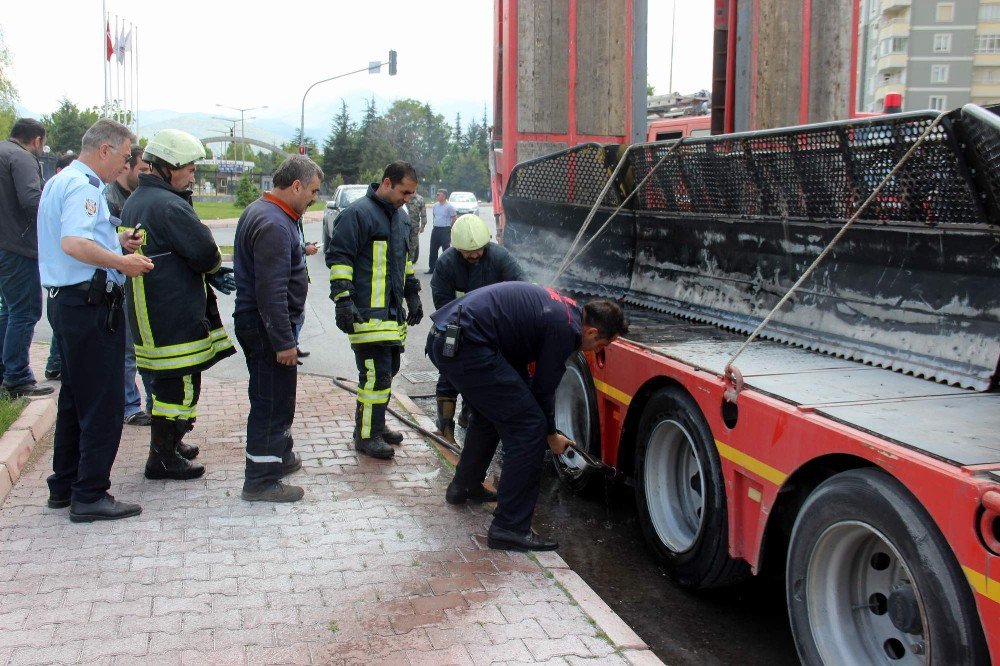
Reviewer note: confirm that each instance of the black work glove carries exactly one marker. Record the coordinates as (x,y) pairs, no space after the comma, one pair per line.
(347,315)
(416,310)
(222,280)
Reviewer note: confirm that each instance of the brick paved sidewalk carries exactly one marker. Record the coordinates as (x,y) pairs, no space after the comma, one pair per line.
(371,567)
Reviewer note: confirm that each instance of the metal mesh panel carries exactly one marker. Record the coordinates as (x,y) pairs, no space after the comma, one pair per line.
(574,176)
(820,173)
(981,128)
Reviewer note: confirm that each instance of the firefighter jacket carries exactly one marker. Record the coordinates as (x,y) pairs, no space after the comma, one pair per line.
(173,315)
(369,262)
(454,276)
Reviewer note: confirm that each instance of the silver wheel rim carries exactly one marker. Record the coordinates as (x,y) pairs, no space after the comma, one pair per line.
(851,573)
(674,482)
(572,408)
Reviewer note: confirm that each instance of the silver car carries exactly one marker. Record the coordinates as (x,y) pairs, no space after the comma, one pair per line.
(464,203)
(343,197)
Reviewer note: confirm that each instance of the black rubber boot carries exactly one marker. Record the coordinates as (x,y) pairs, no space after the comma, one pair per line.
(463,416)
(187,451)
(164,461)
(375,447)
(446,417)
(392,436)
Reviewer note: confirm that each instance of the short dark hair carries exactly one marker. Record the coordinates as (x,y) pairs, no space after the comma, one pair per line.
(606,316)
(27,129)
(136,153)
(65,160)
(398,171)
(441,190)
(296,168)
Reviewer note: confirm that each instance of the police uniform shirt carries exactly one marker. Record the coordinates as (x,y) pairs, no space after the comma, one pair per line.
(73,205)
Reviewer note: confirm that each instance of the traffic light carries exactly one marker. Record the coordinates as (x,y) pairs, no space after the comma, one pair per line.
(392,63)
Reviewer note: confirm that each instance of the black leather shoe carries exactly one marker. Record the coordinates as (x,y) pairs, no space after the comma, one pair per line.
(52,374)
(375,447)
(106,508)
(500,539)
(29,390)
(275,492)
(291,466)
(458,495)
(391,436)
(301,354)
(58,502)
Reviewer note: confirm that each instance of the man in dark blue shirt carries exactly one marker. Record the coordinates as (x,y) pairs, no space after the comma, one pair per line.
(271,286)
(504,328)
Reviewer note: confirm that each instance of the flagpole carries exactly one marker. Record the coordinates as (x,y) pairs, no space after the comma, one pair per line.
(118,74)
(104,52)
(135,65)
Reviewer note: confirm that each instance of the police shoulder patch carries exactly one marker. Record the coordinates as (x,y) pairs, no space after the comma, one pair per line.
(91,207)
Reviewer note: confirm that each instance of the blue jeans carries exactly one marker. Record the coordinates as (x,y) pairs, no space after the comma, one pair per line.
(133,402)
(20,310)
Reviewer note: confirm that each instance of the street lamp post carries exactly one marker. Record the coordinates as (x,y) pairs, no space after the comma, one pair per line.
(373,67)
(243,134)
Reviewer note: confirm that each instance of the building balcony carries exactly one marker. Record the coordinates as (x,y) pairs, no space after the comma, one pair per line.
(985,90)
(886,88)
(891,62)
(894,28)
(986,60)
(891,6)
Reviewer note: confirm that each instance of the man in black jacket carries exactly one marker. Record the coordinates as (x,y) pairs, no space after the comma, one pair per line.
(271,288)
(371,276)
(20,287)
(471,262)
(504,328)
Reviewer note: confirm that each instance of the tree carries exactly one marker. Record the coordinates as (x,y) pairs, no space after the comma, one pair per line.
(8,93)
(650,89)
(66,126)
(340,151)
(311,149)
(246,192)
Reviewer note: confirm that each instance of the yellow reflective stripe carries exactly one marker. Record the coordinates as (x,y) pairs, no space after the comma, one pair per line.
(459,294)
(378,273)
(366,406)
(761,469)
(175,363)
(409,266)
(341,295)
(174,350)
(377,336)
(373,397)
(612,392)
(188,390)
(141,313)
(369,374)
(218,264)
(982,584)
(341,272)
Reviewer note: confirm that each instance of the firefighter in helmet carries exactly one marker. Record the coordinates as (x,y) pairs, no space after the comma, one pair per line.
(471,262)
(175,318)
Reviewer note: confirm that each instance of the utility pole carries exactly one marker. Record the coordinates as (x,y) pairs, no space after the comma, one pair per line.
(243,134)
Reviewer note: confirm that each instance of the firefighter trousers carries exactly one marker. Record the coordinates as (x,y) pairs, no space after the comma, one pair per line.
(503,407)
(377,365)
(176,397)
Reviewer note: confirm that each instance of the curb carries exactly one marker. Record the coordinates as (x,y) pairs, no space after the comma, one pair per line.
(625,640)
(21,438)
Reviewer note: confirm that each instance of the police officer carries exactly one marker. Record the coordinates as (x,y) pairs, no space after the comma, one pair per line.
(176,325)
(471,262)
(371,276)
(75,234)
(416,209)
(503,328)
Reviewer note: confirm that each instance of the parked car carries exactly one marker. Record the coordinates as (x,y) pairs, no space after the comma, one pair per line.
(464,202)
(344,196)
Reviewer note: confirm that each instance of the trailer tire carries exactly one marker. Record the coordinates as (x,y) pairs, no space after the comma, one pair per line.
(870,579)
(576,416)
(681,494)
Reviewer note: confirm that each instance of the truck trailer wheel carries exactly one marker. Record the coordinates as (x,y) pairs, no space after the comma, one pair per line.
(576,416)
(871,580)
(681,494)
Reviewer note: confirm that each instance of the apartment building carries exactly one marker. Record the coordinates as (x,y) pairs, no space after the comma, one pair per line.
(937,55)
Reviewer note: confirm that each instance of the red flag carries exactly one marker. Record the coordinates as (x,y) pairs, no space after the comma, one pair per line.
(107,40)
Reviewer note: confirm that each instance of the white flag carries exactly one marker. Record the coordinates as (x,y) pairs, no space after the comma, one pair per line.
(124,44)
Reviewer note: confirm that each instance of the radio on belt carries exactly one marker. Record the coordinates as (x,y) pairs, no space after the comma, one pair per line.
(452,335)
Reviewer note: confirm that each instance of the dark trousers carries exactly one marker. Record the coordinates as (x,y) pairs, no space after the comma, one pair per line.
(90,411)
(272,403)
(503,408)
(20,310)
(176,398)
(377,365)
(440,240)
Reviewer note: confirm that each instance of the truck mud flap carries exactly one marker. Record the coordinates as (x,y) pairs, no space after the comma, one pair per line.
(725,225)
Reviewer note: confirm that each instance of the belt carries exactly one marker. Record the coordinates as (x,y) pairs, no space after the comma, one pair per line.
(79,286)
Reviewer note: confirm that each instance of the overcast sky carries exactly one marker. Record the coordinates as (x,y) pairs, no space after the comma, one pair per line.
(194,55)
